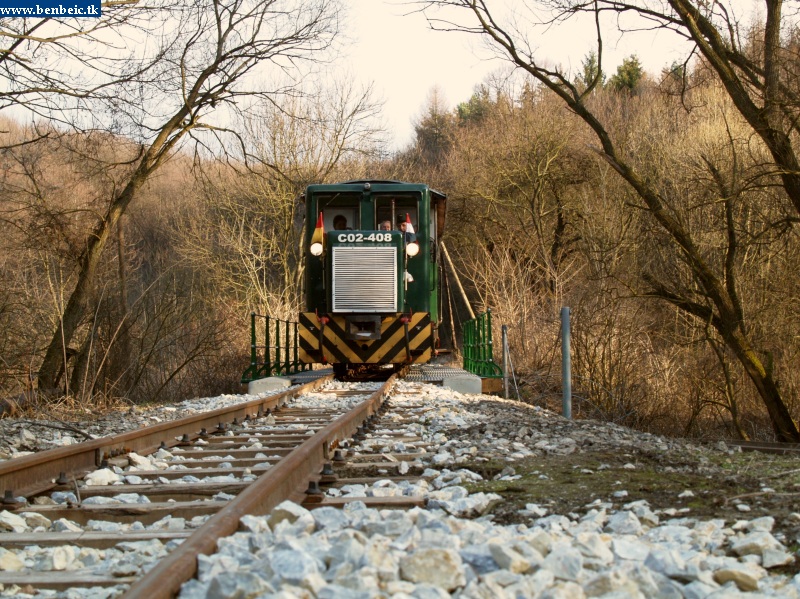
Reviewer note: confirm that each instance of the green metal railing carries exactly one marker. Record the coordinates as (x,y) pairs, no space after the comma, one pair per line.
(274,358)
(478,359)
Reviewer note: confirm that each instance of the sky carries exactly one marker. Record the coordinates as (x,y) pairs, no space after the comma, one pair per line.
(404,59)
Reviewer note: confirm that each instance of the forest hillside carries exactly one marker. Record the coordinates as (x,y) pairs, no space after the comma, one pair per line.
(148,206)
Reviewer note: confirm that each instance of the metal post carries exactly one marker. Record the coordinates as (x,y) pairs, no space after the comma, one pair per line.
(489,352)
(566,369)
(287,369)
(296,366)
(277,348)
(505,360)
(465,333)
(479,344)
(469,345)
(253,357)
(267,348)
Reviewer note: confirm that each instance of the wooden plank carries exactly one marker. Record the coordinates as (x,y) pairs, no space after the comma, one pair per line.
(401,457)
(203,468)
(396,436)
(235,453)
(244,437)
(365,465)
(146,513)
(60,581)
(360,461)
(389,440)
(185,491)
(98,540)
(263,436)
(371,502)
(367,480)
(246,462)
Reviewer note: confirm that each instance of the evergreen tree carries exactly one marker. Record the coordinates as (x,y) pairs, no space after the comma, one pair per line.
(628,76)
(590,69)
(476,108)
(434,129)
(675,73)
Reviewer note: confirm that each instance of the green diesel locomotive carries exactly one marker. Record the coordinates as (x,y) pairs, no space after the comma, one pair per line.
(371,276)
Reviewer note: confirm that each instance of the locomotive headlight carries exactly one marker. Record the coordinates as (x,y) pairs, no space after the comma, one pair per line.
(316,249)
(412,249)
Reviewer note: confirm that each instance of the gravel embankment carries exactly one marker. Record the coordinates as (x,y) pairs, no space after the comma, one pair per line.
(521,503)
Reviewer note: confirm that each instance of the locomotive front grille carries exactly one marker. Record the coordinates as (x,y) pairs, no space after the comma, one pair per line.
(364,279)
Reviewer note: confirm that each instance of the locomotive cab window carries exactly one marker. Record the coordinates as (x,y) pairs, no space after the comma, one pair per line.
(340,211)
(400,205)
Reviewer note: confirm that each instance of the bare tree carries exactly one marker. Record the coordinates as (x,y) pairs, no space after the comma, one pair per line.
(49,65)
(715,297)
(759,80)
(757,66)
(196,66)
(246,226)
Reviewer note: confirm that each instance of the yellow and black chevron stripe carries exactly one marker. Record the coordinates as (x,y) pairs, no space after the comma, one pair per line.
(389,349)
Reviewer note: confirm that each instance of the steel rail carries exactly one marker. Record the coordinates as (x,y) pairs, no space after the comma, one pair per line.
(35,473)
(286,480)
(766,446)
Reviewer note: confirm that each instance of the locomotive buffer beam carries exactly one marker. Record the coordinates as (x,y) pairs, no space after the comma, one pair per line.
(362,328)
(404,319)
(365,339)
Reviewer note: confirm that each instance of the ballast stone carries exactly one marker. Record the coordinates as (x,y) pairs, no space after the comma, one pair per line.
(9,562)
(293,515)
(101,478)
(464,383)
(273,383)
(64,525)
(238,584)
(694,551)
(755,543)
(12,522)
(439,567)
(745,576)
(36,520)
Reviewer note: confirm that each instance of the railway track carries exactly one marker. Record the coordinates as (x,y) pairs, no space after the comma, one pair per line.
(767,447)
(221,491)
(156,498)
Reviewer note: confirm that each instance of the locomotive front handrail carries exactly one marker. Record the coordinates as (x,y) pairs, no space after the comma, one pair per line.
(478,354)
(278,360)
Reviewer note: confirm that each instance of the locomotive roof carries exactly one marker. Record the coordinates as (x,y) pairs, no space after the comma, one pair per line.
(438,197)
(380,182)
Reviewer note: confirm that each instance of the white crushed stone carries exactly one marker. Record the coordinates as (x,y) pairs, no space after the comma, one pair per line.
(449,548)
(363,552)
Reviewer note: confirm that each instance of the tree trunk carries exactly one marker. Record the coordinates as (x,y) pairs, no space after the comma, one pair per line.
(120,358)
(80,368)
(726,314)
(782,423)
(765,119)
(152,158)
(89,261)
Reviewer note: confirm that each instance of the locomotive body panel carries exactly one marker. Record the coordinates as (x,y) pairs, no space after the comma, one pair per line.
(371,283)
